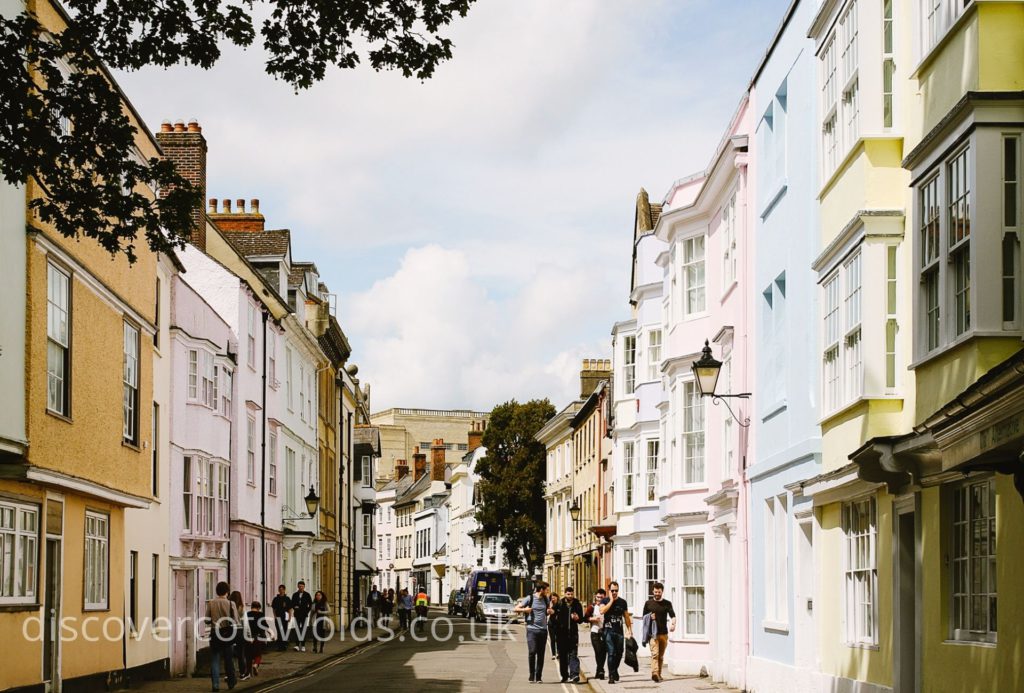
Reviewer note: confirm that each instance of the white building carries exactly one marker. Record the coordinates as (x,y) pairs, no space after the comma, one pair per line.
(366,456)
(386,490)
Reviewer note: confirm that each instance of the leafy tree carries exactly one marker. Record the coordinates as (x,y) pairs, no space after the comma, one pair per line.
(62,123)
(512,479)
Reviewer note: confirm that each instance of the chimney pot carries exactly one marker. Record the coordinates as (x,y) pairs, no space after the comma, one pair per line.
(254,204)
(213,205)
(166,126)
(193,125)
(179,126)
(227,206)
(240,206)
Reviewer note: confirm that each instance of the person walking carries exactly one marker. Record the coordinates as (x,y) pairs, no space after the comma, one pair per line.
(222,618)
(616,622)
(593,617)
(661,609)
(552,636)
(422,602)
(302,604)
(537,608)
(281,606)
(404,609)
(259,635)
(387,606)
(567,618)
(239,646)
(372,605)
(321,620)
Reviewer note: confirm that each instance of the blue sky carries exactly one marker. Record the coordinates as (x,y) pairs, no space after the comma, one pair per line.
(476,227)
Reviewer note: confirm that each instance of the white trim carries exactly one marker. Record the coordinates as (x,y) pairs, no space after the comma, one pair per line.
(89,488)
(86,277)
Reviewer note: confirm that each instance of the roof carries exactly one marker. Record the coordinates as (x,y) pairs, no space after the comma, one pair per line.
(256,243)
(413,490)
(296,276)
(367,435)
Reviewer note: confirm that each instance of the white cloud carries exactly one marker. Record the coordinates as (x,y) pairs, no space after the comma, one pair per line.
(477,226)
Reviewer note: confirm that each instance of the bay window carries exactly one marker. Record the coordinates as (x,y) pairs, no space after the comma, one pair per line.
(693,275)
(842,335)
(653,355)
(628,472)
(629,364)
(652,469)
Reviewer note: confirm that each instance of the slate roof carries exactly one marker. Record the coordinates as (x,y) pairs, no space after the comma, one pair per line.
(260,243)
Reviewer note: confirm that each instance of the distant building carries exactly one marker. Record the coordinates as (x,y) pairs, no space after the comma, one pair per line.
(404,430)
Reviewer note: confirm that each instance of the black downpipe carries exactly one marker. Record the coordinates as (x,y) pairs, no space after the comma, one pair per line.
(339,499)
(263,473)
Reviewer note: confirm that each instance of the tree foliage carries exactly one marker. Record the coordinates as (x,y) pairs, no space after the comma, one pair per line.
(512,479)
(63,125)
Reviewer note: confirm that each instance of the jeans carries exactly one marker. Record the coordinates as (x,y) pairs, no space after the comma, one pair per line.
(659,643)
(600,651)
(613,645)
(301,630)
(403,618)
(282,632)
(554,642)
(535,641)
(217,653)
(568,660)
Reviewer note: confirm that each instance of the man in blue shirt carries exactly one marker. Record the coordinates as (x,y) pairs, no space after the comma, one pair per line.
(537,608)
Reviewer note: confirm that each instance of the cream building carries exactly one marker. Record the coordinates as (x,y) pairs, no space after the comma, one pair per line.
(403,430)
(556,435)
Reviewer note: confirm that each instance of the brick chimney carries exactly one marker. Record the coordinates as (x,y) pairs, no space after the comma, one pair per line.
(239,219)
(401,469)
(475,437)
(437,460)
(592,373)
(419,464)
(186,147)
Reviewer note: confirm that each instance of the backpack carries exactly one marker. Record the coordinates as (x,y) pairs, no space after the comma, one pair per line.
(529,614)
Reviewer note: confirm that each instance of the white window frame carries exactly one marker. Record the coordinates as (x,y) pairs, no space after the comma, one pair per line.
(272,465)
(694,579)
(366,468)
(728,227)
(58,340)
(629,473)
(860,571)
(629,364)
(888,64)
(227,384)
(1011,215)
(19,552)
(288,377)
(130,384)
(654,341)
(694,274)
(250,450)
(251,336)
(972,520)
(653,450)
(188,489)
(849,33)
(302,391)
(853,339)
(652,569)
(693,434)
(829,109)
(272,360)
(96,576)
(776,566)
(628,575)
(936,18)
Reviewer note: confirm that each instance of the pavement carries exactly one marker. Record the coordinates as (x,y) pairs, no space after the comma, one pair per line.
(452,655)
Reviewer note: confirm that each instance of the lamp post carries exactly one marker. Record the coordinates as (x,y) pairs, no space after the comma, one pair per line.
(706,371)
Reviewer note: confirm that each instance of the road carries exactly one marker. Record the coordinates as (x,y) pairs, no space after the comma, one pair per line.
(473,658)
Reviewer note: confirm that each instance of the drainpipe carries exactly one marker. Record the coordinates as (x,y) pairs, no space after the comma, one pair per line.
(263,472)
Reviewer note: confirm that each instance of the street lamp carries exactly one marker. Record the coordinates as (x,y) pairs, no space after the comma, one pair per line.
(706,370)
(574,511)
(312,501)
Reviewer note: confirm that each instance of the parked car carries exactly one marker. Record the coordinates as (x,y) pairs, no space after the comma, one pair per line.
(457,603)
(499,607)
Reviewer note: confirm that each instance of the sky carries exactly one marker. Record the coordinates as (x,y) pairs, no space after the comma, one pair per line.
(477,227)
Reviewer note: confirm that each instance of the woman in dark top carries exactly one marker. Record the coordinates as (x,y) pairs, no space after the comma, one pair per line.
(387,605)
(321,619)
(552,635)
(239,647)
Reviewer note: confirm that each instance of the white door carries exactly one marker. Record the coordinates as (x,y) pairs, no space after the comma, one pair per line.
(803,607)
(179,611)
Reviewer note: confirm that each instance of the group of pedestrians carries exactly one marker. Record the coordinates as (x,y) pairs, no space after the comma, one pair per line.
(381,605)
(610,624)
(239,634)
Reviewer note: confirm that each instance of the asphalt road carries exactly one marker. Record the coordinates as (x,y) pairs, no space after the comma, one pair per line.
(472,658)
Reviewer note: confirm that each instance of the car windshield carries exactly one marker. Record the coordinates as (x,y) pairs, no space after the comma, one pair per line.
(497,599)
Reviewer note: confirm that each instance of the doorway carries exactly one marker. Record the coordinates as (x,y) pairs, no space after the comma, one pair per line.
(805,637)
(905,589)
(51,611)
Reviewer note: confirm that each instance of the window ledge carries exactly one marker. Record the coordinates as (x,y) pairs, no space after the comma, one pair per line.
(932,52)
(776,626)
(844,408)
(774,410)
(58,415)
(24,606)
(779,191)
(130,445)
(969,643)
(862,646)
(962,339)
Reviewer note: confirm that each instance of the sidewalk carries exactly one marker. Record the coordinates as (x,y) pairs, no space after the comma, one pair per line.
(641,680)
(276,666)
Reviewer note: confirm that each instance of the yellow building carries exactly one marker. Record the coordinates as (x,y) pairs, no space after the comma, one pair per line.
(85,456)
(922,117)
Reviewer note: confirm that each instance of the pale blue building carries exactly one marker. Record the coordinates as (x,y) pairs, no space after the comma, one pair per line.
(787,439)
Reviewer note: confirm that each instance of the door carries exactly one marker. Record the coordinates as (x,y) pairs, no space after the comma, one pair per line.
(803,606)
(179,609)
(725,597)
(51,610)
(906,604)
